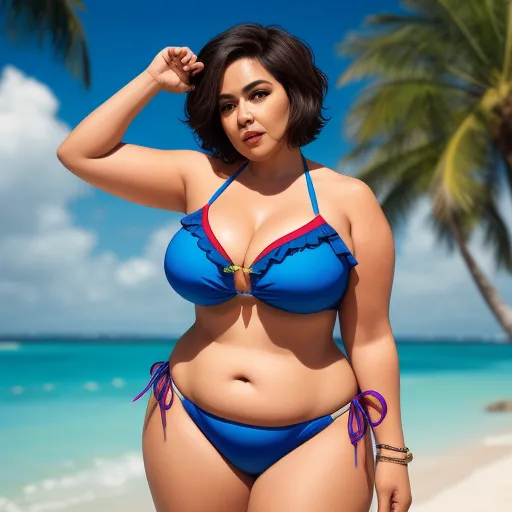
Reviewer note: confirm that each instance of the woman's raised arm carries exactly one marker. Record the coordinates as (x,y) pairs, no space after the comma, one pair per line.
(95,153)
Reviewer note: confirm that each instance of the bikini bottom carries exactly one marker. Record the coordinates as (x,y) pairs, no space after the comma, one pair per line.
(252,448)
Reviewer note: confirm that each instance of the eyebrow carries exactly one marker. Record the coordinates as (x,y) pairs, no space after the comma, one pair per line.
(245,90)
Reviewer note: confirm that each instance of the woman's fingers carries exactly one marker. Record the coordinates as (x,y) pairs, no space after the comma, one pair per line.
(193,67)
(190,63)
(188,56)
(196,69)
(184,57)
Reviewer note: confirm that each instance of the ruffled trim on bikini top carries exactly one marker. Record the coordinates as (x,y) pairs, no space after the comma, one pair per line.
(309,240)
(194,225)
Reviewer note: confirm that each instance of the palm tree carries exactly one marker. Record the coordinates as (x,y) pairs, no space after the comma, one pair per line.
(435,120)
(59,20)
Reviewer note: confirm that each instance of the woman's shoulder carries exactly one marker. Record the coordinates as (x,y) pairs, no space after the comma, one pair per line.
(224,169)
(334,181)
(339,193)
(207,177)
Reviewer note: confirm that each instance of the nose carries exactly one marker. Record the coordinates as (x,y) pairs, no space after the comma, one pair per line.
(244,114)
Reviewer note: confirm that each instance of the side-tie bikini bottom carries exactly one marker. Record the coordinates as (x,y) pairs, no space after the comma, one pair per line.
(253,448)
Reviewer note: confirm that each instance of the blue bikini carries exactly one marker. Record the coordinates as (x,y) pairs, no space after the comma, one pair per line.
(273,277)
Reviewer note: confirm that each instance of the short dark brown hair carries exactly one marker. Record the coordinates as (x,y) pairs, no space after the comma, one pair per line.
(287,58)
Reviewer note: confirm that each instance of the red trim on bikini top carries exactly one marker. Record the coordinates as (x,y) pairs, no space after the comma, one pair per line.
(209,233)
(309,226)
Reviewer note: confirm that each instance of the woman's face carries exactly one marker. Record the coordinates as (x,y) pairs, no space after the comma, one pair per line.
(264,107)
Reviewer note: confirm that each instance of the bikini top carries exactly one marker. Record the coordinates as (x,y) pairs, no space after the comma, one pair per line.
(305,271)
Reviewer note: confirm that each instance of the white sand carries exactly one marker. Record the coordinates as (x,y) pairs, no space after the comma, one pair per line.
(478,478)
(487,489)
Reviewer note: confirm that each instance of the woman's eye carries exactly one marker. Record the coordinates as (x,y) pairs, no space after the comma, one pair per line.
(265,93)
(225,109)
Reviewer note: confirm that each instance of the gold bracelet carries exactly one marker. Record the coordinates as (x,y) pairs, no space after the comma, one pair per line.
(394,448)
(389,459)
(404,461)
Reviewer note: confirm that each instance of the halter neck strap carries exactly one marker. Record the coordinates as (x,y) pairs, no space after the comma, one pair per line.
(311,188)
(228,182)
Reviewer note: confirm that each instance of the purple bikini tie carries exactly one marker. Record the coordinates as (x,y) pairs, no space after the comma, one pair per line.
(358,412)
(161,382)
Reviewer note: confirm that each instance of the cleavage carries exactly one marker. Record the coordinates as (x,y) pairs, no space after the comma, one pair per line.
(237,232)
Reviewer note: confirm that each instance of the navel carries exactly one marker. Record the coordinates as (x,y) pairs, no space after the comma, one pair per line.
(242,378)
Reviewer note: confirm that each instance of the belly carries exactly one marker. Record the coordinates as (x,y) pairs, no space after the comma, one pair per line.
(250,376)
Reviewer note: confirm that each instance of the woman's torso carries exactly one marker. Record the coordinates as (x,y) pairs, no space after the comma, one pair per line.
(243,359)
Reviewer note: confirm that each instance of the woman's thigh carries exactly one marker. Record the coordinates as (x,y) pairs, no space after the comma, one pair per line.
(185,472)
(319,476)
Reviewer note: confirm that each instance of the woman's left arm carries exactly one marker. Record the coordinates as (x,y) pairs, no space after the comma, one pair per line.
(367,334)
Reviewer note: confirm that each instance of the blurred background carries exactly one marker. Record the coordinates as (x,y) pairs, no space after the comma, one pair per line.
(420,96)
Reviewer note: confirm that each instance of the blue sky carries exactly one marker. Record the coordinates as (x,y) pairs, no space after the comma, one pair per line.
(75,259)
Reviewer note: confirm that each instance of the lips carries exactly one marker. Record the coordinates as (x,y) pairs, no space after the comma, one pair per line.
(253,141)
(248,135)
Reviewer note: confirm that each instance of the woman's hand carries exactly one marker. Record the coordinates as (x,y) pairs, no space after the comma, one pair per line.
(393,487)
(172,67)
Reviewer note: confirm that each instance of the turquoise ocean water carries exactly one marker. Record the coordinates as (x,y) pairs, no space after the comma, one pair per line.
(68,427)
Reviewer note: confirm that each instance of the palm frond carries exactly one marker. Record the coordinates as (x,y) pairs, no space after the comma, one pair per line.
(405,106)
(508,174)
(442,230)
(455,12)
(57,20)
(495,20)
(414,47)
(458,179)
(463,76)
(387,162)
(388,19)
(507,61)
(487,216)
(423,8)
(402,195)
(445,36)
(497,236)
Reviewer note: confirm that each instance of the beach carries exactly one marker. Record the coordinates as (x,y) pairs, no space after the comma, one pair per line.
(471,478)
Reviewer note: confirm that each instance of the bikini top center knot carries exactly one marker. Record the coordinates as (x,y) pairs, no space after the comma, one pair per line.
(234,268)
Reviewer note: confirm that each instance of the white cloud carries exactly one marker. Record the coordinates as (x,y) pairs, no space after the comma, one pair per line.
(50,279)
(53,278)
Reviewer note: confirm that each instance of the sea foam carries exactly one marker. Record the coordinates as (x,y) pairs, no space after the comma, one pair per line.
(106,477)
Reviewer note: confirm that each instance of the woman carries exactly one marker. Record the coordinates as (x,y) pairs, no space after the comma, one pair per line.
(270,415)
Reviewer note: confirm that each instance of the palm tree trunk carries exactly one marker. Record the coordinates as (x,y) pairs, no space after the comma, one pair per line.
(501,310)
